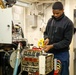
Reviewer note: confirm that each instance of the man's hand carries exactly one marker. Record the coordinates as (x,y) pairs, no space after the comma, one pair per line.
(46,41)
(47,47)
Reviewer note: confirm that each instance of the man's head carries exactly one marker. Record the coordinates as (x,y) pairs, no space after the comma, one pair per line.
(57,9)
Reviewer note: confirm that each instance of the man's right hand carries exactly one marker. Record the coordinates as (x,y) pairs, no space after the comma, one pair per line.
(46,41)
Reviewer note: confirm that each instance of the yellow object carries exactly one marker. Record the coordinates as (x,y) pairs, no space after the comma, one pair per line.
(2,4)
(41,43)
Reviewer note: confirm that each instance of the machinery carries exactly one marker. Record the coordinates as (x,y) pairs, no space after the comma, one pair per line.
(8,47)
(8,52)
(35,62)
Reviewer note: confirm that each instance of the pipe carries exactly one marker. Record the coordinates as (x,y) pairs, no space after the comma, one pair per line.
(17,61)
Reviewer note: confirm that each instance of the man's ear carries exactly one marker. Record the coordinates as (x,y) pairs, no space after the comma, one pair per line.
(74,30)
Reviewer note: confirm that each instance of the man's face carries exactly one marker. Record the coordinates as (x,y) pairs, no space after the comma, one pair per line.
(57,13)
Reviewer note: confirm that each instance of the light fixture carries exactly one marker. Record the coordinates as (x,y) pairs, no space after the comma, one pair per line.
(24,4)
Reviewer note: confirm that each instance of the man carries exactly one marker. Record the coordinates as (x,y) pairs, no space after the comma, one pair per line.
(58,36)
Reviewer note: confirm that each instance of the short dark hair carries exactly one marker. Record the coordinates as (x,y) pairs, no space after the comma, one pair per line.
(57,5)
